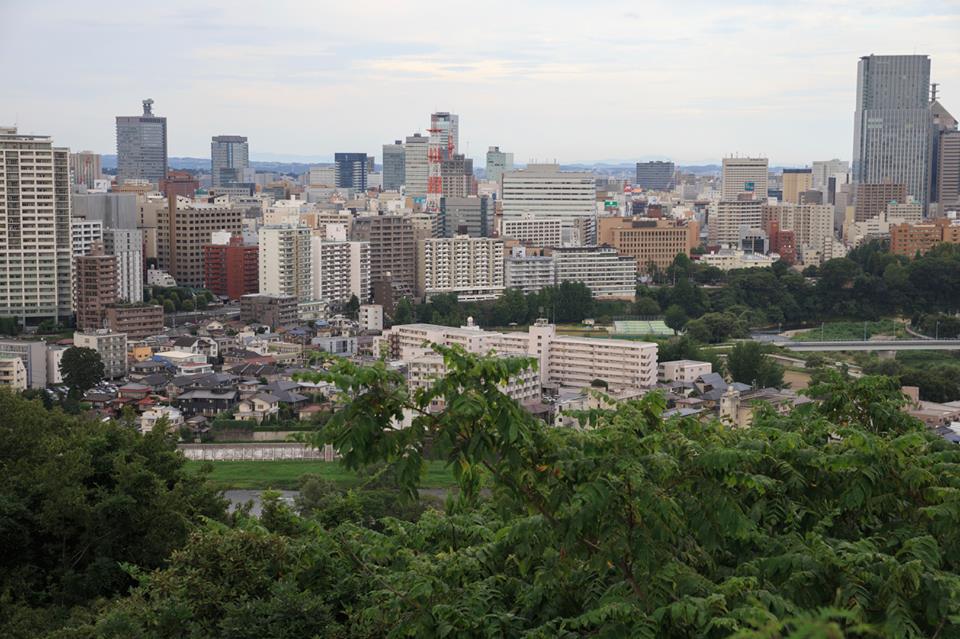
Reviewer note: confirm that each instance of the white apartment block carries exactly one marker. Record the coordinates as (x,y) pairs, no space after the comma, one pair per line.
(84,234)
(729,259)
(904,212)
(127,246)
(36,260)
(371,317)
(563,361)
(744,176)
(533,230)
(285,261)
(543,190)
(728,216)
(812,224)
(607,273)
(529,273)
(111,346)
(12,372)
(684,371)
(340,269)
(471,267)
(424,370)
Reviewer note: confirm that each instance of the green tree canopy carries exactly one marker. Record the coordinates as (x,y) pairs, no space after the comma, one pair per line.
(748,364)
(82,369)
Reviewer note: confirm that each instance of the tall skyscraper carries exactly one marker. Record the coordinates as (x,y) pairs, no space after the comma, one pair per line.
(497,163)
(393,246)
(945,163)
(448,125)
(415,165)
(229,156)
(744,177)
(543,190)
(35,254)
(85,168)
(393,166)
(142,146)
(457,174)
(96,286)
(351,170)
(892,122)
(655,176)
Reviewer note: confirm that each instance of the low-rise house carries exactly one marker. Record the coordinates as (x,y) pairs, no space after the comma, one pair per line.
(258,408)
(150,418)
(208,403)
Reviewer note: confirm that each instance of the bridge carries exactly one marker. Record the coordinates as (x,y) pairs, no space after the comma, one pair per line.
(887,345)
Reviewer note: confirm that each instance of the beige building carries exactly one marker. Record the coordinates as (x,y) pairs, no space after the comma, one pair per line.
(729,216)
(35,252)
(533,230)
(471,267)
(393,248)
(371,317)
(601,268)
(138,321)
(185,228)
(649,241)
(730,259)
(795,182)
(812,224)
(286,262)
(111,346)
(872,199)
(12,372)
(744,177)
(684,371)
(340,269)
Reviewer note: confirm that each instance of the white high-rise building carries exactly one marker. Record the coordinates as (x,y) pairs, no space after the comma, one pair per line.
(823,170)
(340,269)
(35,252)
(84,234)
(744,177)
(471,267)
(607,273)
(812,224)
(286,265)
(529,273)
(729,216)
(127,246)
(534,230)
(543,190)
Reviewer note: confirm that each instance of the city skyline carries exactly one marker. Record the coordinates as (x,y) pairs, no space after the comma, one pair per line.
(660,80)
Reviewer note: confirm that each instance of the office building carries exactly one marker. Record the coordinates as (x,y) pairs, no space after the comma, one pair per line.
(231,268)
(910,239)
(828,176)
(470,267)
(393,166)
(727,218)
(811,224)
(456,173)
(543,190)
(744,178)
(498,163)
(529,270)
(112,210)
(649,241)
(271,310)
(126,245)
(393,249)
(655,176)
(85,169)
(948,170)
(416,168)
(229,159)
(892,123)
(533,230)
(322,176)
(95,287)
(35,253)
(142,146)
(34,358)
(285,261)
(351,171)
(447,126)
(471,216)
(184,229)
(607,273)
(795,182)
(872,199)
(137,321)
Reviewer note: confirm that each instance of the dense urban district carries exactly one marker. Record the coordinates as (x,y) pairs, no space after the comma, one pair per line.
(415,397)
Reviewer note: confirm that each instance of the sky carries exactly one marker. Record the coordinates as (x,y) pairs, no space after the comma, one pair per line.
(564,80)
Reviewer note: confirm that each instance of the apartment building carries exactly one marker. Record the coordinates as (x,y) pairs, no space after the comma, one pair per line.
(34,358)
(872,199)
(35,254)
(796,182)
(184,229)
(371,317)
(126,246)
(111,346)
(471,216)
(96,286)
(607,273)
(529,270)
(649,241)
(272,310)
(470,267)
(231,268)
(811,224)
(84,234)
(341,269)
(286,262)
(684,371)
(12,372)
(393,249)
(729,216)
(137,321)
(533,230)
(910,239)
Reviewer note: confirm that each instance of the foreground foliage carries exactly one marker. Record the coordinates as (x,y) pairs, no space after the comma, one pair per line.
(840,520)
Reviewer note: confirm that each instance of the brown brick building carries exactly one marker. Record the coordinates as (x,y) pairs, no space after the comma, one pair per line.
(872,199)
(96,285)
(649,240)
(230,270)
(908,239)
(138,321)
(185,230)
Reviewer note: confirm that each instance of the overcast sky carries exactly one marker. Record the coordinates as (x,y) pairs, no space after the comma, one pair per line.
(568,80)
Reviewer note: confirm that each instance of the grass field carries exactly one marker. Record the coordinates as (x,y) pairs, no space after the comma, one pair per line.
(925,359)
(284,475)
(852,331)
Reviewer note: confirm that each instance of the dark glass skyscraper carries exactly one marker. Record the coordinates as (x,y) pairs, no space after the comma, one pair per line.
(393,166)
(142,146)
(892,123)
(229,156)
(351,170)
(655,176)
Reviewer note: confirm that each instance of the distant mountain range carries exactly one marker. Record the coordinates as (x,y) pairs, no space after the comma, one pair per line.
(298,167)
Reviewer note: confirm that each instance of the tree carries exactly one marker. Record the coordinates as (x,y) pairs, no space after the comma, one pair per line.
(748,364)
(81,368)
(9,326)
(188,306)
(573,302)
(675,318)
(352,308)
(647,306)
(169,306)
(404,312)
